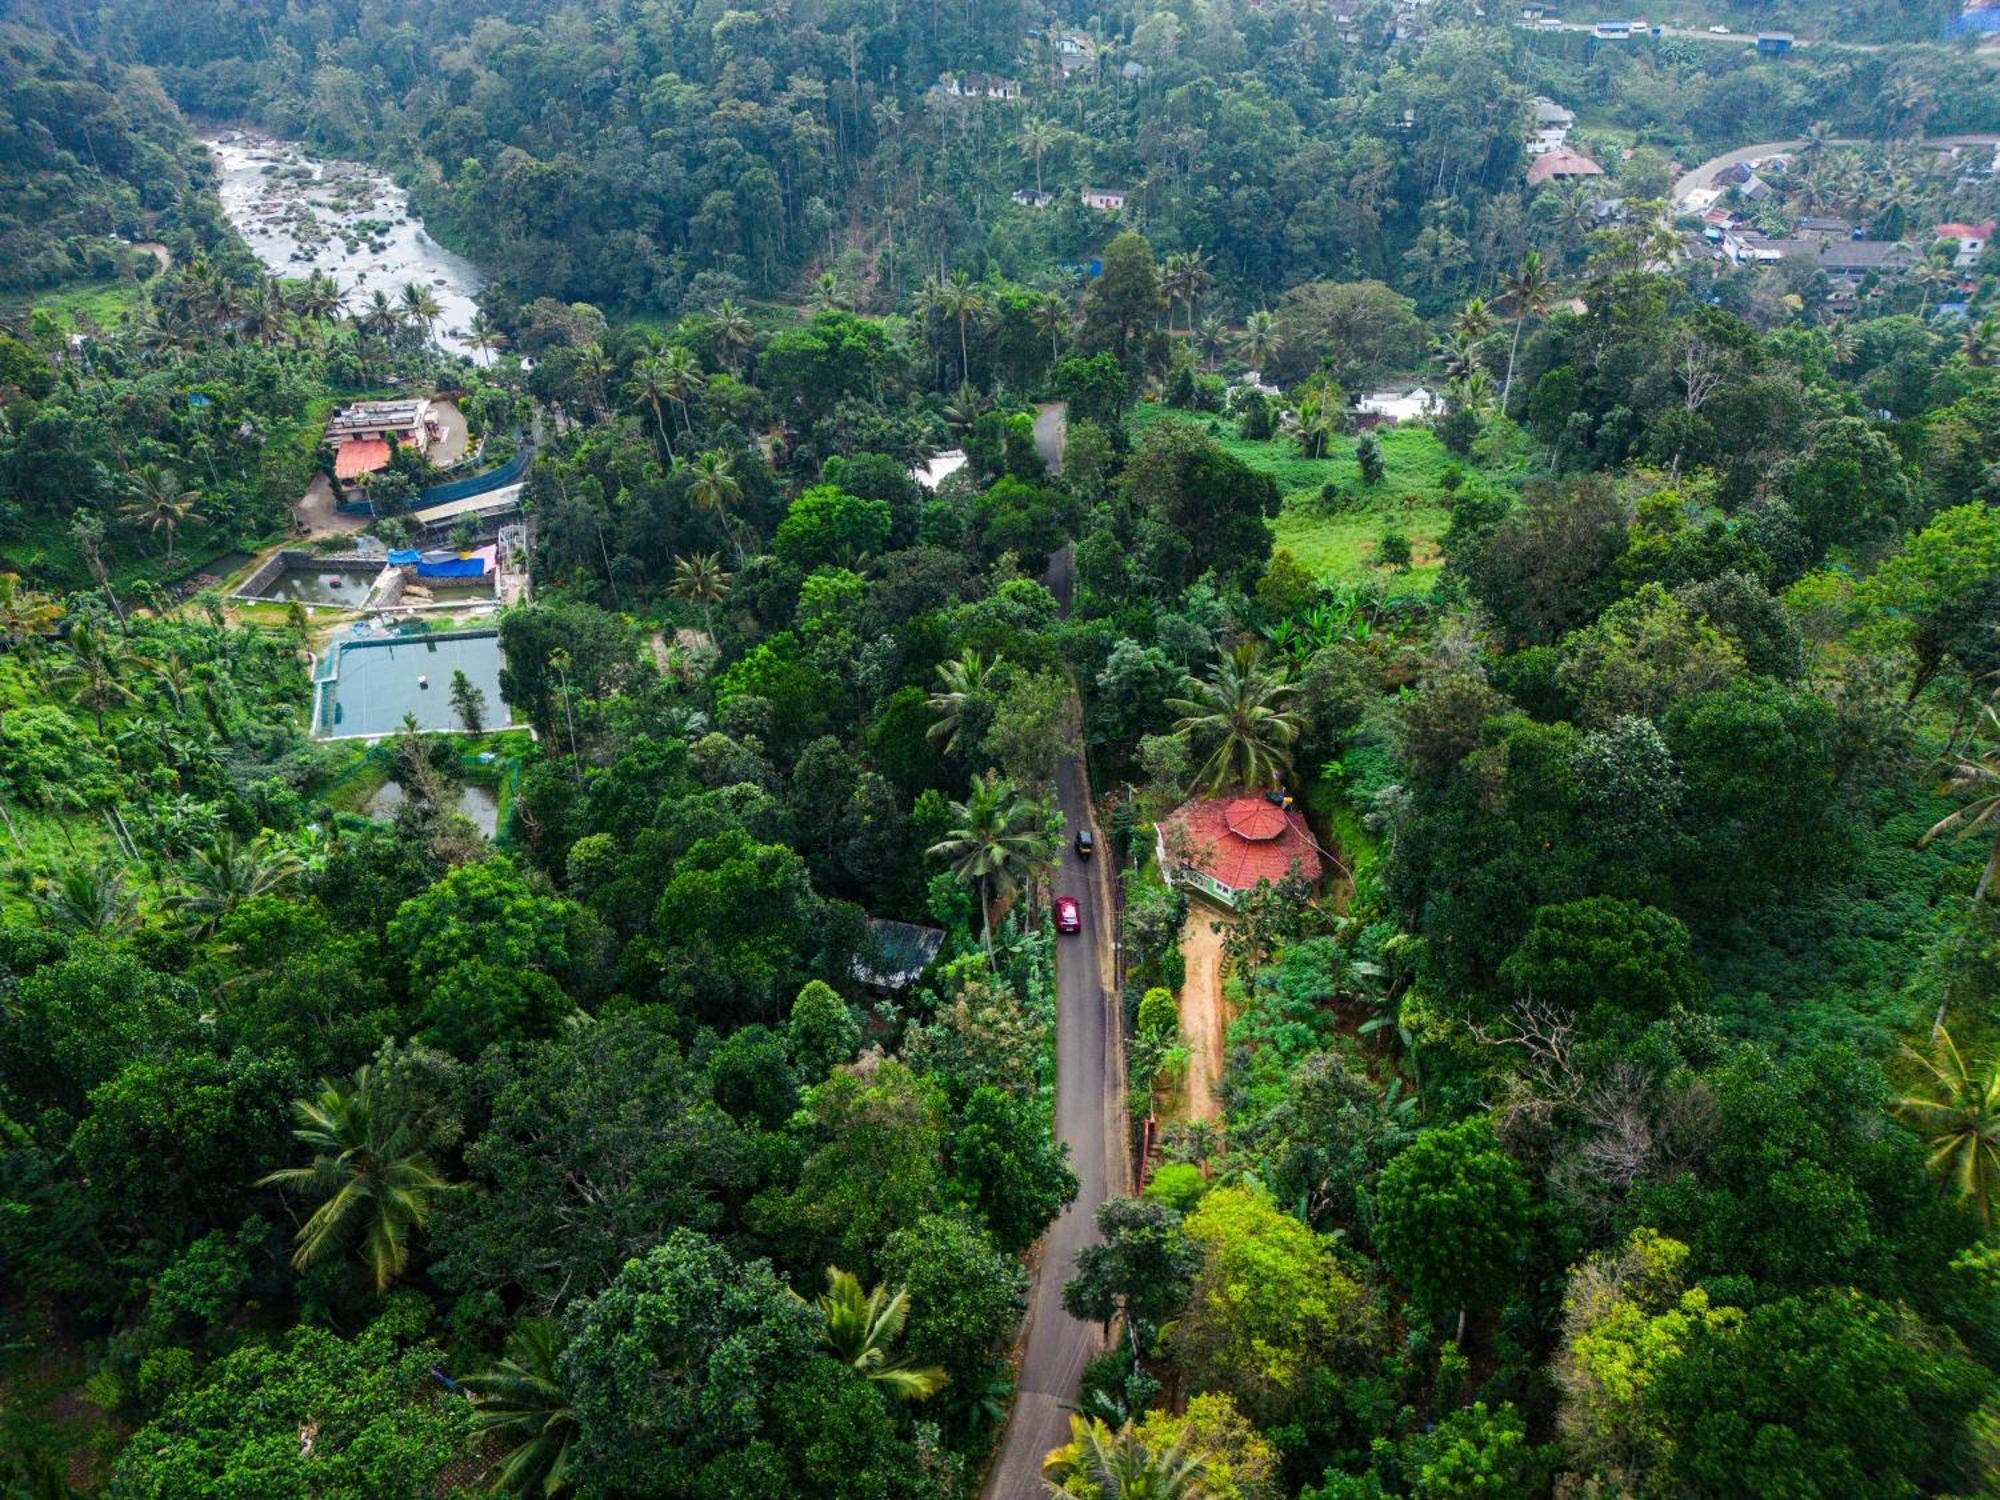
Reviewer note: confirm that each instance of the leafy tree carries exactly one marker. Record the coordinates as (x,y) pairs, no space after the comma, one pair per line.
(823,1031)
(826,526)
(1196,508)
(1450,1215)
(599,1142)
(1792,1401)
(1602,953)
(1237,1461)
(1144,1267)
(1003,1153)
(966,1295)
(672,1369)
(371,1175)
(1642,655)
(1122,301)
(1368,455)
(468,701)
(308,1414)
(1270,1306)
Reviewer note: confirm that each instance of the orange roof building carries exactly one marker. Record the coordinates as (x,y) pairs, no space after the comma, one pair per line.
(1555,166)
(1226,847)
(360,456)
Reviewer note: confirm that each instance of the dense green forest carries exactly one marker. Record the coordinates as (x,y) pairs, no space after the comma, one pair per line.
(663,1088)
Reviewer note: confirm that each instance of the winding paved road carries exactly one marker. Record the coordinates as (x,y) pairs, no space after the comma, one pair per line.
(1090,1120)
(1705,174)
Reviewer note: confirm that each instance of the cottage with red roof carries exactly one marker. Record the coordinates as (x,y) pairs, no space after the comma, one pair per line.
(1561,166)
(1972,240)
(1225,847)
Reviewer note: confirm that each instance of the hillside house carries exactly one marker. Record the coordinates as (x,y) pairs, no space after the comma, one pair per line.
(1225,847)
(978,86)
(362,435)
(1972,240)
(1561,166)
(1032,197)
(1104,200)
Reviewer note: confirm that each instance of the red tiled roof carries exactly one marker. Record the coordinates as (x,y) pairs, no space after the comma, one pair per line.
(1561,164)
(1965,231)
(362,456)
(1239,841)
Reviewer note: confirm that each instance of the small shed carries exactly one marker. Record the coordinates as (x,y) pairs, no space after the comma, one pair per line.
(897,954)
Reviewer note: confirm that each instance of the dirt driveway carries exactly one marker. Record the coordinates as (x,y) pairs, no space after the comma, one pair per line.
(1205,1014)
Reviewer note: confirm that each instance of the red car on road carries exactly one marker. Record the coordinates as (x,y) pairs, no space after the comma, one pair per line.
(1068,918)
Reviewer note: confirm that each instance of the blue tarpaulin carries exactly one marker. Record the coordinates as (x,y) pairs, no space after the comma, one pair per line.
(402,557)
(474,564)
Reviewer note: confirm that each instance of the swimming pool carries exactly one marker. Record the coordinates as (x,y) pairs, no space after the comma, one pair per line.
(365,688)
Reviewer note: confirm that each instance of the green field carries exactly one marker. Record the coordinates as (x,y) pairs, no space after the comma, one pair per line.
(105,302)
(1340,544)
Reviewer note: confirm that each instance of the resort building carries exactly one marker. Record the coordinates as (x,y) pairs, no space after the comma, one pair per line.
(360,435)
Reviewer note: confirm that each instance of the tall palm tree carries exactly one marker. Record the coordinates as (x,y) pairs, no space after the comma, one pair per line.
(996,839)
(593,369)
(263,312)
(1978,781)
(1841,342)
(961,682)
(1960,1120)
(96,668)
(961,299)
(1322,413)
(379,315)
(699,579)
(1260,341)
(484,337)
(1212,334)
(1474,321)
(159,501)
(963,411)
(319,299)
(230,872)
(1052,316)
(859,1330)
(1183,280)
(371,1173)
(519,1400)
(419,306)
(1118,1466)
(1531,291)
(647,389)
(732,332)
(681,379)
(1244,711)
(1036,136)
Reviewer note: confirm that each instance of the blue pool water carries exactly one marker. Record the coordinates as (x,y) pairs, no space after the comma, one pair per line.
(366,687)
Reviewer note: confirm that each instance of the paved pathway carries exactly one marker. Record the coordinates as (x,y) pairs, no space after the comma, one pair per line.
(1052,433)
(1705,174)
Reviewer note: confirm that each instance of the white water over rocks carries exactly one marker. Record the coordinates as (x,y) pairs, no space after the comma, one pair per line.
(301,213)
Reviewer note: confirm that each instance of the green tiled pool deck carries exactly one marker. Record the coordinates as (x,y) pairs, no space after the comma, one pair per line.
(365,688)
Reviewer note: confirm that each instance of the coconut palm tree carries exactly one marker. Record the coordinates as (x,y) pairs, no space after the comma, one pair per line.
(593,368)
(1052,316)
(1212,335)
(371,1175)
(1960,1120)
(1243,711)
(1841,343)
(318,299)
(826,294)
(484,337)
(159,501)
(962,412)
(419,306)
(1978,781)
(700,580)
(1322,413)
(1474,321)
(681,379)
(95,668)
(519,1400)
(647,389)
(1260,341)
(1981,346)
(89,898)
(1184,279)
(962,682)
(379,315)
(1036,137)
(961,299)
(263,312)
(230,872)
(732,332)
(716,489)
(859,1329)
(1118,1466)
(1531,291)
(995,841)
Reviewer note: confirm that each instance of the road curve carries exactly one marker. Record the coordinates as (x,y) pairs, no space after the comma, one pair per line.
(1705,174)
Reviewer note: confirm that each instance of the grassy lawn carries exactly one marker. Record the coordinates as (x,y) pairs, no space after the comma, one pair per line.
(1340,543)
(104,301)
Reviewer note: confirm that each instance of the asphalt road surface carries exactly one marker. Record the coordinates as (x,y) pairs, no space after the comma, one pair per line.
(1088,1105)
(1704,175)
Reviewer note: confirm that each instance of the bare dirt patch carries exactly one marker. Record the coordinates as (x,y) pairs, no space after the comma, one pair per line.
(1205,1014)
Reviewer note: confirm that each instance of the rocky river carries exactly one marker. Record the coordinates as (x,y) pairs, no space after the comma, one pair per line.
(301,213)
